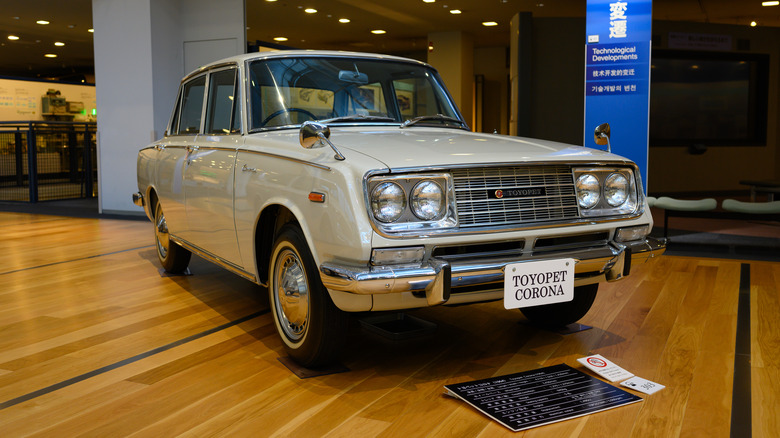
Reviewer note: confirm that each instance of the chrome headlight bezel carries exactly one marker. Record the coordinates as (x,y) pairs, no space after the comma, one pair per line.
(604,206)
(409,219)
(388,201)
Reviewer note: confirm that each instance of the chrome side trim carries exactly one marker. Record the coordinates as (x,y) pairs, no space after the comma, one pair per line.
(232,267)
(282,157)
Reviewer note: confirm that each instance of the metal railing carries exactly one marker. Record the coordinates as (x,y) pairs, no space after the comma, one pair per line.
(42,161)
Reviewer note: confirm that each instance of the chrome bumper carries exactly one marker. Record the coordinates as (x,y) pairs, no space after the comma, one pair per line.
(138,199)
(437,278)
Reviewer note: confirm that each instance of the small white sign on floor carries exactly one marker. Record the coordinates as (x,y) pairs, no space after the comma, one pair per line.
(605,368)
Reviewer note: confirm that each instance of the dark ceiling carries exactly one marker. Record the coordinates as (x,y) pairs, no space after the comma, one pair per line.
(407,24)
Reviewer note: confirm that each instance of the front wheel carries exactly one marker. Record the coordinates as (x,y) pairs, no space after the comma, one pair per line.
(561,314)
(310,325)
(173,258)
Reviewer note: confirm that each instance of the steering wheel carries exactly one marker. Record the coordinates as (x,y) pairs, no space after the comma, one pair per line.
(287,110)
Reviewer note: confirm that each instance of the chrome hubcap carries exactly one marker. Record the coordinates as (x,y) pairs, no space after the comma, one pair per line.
(291,294)
(161,233)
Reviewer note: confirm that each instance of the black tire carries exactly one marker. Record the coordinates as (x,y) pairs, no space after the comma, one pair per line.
(561,314)
(173,258)
(312,328)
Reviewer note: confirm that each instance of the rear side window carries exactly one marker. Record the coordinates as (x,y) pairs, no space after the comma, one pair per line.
(222,114)
(192,106)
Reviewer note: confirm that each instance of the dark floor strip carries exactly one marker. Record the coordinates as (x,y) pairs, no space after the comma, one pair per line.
(77,260)
(741,421)
(121,363)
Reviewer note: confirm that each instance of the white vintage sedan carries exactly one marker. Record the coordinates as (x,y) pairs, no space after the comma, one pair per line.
(349,182)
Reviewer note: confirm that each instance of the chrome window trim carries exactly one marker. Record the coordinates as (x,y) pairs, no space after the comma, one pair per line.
(370,57)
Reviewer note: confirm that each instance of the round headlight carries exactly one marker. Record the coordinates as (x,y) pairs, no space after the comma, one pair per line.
(588,190)
(388,201)
(616,189)
(427,200)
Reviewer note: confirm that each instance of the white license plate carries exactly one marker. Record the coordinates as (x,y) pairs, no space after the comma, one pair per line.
(536,283)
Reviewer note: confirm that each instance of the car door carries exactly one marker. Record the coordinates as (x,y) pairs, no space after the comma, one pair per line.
(210,168)
(173,153)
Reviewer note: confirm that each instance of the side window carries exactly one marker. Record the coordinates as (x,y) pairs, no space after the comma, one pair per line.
(192,106)
(221,113)
(174,129)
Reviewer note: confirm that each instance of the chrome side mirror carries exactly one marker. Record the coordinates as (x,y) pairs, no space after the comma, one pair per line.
(601,136)
(315,135)
(311,134)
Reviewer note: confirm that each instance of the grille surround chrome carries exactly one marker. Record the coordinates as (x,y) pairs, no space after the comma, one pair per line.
(476,208)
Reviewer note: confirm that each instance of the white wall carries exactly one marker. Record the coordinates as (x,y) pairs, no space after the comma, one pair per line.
(139,61)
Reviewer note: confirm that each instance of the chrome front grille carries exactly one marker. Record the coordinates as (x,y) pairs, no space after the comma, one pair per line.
(478,205)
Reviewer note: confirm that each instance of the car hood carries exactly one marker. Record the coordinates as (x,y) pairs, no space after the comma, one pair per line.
(421,146)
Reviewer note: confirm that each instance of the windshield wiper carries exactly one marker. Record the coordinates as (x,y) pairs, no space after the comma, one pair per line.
(358,118)
(438,117)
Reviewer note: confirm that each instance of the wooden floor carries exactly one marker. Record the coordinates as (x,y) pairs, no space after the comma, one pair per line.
(94,341)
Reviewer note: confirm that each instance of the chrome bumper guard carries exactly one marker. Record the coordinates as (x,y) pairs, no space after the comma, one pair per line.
(437,277)
(138,199)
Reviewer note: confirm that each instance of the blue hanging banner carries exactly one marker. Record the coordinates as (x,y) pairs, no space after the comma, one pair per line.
(617,75)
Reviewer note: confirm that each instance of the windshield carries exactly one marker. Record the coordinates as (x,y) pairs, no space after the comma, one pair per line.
(286,92)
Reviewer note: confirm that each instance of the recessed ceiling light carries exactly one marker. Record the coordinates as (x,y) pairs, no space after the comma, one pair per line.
(753,24)
(775,3)
(344,20)
(378,31)
(455,11)
(59,43)
(280,38)
(429,1)
(13,37)
(44,22)
(50,55)
(91,30)
(489,23)
(310,11)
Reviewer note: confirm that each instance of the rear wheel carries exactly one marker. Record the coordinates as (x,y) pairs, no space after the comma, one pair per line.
(561,314)
(173,258)
(310,325)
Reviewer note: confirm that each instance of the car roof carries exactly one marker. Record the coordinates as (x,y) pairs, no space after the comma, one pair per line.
(278,54)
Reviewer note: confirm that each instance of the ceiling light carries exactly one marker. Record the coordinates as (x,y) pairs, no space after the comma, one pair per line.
(13,37)
(91,30)
(310,11)
(50,55)
(280,38)
(455,11)
(775,3)
(343,20)
(59,44)
(42,22)
(753,24)
(378,32)
(489,23)
(429,1)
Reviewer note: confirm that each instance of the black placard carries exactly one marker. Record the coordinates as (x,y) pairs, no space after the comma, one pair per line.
(534,398)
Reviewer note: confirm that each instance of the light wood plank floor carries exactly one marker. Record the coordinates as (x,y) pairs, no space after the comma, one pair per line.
(95,342)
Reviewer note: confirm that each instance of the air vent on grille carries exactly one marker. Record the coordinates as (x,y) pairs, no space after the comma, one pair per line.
(495,196)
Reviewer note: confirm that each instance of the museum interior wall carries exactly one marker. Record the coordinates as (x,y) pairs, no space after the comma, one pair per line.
(142,51)
(674,170)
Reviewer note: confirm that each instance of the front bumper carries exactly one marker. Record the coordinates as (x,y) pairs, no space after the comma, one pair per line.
(437,278)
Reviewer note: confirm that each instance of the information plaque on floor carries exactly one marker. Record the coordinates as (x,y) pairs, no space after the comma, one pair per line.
(534,398)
